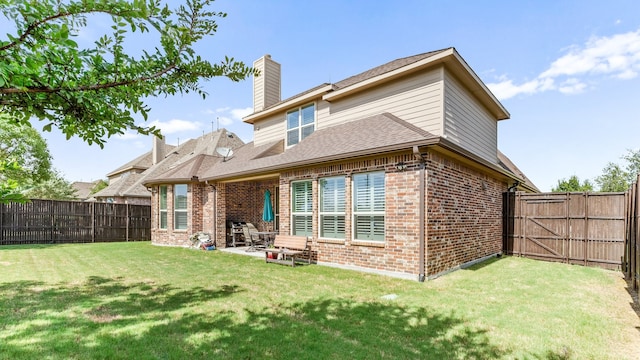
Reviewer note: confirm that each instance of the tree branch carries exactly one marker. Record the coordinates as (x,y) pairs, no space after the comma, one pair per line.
(32,27)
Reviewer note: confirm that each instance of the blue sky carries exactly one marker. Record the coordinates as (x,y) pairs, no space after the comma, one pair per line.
(567,71)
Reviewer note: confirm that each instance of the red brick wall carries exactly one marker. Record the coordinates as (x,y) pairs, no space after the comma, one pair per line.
(464,214)
(399,252)
(240,201)
(170,236)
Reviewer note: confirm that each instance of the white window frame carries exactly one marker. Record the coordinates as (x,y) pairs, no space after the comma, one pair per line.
(180,211)
(300,127)
(335,197)
(162,211)
(365,205)
(306,211)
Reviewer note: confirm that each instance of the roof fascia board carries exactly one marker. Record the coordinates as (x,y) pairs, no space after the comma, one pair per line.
(451,59)
(430,61)
(478,88)
(285,105)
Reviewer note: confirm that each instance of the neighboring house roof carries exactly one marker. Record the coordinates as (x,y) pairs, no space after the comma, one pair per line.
(83,189)
(176,166)
(123,187)
(142,162)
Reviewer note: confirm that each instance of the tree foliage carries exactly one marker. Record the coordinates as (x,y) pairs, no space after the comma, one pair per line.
(633,165)
(613,178)
(55,188)
(100,184)
(9,188)
(573,184)
(23,145)
(94,91)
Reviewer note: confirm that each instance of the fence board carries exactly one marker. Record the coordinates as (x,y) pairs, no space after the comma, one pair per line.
(56,222)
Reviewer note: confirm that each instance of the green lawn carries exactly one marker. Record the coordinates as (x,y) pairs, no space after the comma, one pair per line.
(138,301)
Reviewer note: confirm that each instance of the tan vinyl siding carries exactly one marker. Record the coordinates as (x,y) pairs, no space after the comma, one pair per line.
(467,123)
(269,130)
(272,86)
(417,99)
(258,86)
(266,87)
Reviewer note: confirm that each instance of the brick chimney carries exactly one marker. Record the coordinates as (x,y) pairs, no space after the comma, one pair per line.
(266,86)
(158,151)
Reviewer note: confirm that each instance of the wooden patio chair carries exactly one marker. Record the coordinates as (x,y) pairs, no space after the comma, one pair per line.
(251,236)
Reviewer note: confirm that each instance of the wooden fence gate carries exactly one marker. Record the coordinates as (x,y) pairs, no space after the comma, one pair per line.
(575,228)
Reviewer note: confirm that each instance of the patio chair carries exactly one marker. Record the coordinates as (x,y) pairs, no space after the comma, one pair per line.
(252,237)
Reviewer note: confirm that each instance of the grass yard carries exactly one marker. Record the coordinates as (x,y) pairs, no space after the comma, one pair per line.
(138,301)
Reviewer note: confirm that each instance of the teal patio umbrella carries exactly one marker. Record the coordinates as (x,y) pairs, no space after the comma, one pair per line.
(267,210)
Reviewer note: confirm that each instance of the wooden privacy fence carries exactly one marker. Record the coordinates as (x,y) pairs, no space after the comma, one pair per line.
(56,222)
(575,228)
(631,261)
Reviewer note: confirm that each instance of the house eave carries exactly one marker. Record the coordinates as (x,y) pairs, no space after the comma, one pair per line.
(304,163)
(450,149)
(300,100)
(451,60)
(161,181)
(127,169)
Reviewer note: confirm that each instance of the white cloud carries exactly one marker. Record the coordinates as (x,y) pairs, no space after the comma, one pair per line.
(223,109)
(617,56)
(140,144)
(572,86)
(175,125)
(224,121)
(128,135)
(240,113)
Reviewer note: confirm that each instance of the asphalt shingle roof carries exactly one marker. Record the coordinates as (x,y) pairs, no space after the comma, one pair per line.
(180,163)
(374,134)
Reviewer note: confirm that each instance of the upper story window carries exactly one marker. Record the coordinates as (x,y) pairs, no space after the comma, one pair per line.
(300,123)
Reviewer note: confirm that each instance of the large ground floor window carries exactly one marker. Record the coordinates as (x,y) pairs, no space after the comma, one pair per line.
(332,207)
(180,206)
(368,206)
(301,208)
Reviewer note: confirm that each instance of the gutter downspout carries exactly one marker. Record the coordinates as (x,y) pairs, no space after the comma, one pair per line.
(215,213)
(422,244)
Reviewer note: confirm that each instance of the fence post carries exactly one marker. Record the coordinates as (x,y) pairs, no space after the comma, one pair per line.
(126,235)
(93,221)
(566,244)
(1,224)
(635,254)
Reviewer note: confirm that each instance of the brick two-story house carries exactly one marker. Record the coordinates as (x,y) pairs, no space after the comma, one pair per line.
(395,169)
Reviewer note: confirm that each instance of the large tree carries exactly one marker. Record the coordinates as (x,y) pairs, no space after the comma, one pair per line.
(572,184)
(95,91)
(22,145)
(55,188)
(613,178)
